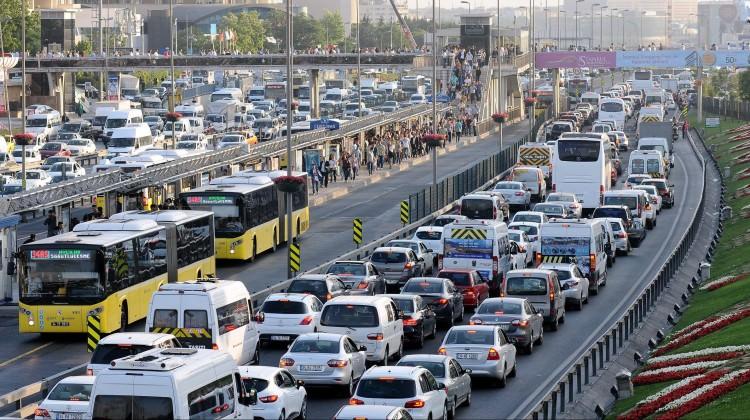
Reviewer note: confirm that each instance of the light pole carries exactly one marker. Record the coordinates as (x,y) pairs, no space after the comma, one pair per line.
(622,14)
(601,26)
(591,41)
(499,75)
(643,13)
(559,40)
(565,26)
(359,67)
(289,118)
(467,3)
(434,96)
(5,77)
(611,25)
(24,10)
(576,19)
(173,85)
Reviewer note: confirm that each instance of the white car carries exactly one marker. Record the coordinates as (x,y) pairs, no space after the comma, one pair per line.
(35,178)
(62,171)
(514,193)
(231,140)
(417,99)
(413,388)
(326,359)
(118,345)
(55,159)
(445,219)
(81,147)
(69,399)
(568,200)
(192,146)
(526,248)
(532,231)
(284,316)
(485,349)
(431,236)
(38,109)
(280,395)
(383,412)
(654,195)
(621,235)
(575,285)
(530,216)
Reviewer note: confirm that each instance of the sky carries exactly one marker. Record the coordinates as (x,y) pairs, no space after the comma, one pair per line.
(446,4)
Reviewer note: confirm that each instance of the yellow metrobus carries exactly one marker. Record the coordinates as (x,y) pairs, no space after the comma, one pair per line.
(249,213)
(109,268)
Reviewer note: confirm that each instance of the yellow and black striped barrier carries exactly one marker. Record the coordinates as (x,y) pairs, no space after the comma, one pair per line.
(559,259)
(295,259)
(468,233)
(404,212)
(93,332)
(684,112)
(183,332)
(357,231)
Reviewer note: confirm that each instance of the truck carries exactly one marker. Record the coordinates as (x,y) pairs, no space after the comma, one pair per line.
(662,129)
(130,86)
(670,85)
(102,109)
(538,155)
(220,114)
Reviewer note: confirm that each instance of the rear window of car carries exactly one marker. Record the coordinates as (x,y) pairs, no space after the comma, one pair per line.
(254,383)
(500,308)
(417,286)
(443,221)
(530,230)
(429,235)
(508,186)
(315,346)
(561,197)
(527,218)
(658,184)
(388,257)
(524,175)
(458,278)
(609,212)
(524,286)
(386,388)
(477,208)
(284,307)
(406,305)
(347,269)
(615,226)
(70,392)
(342,315)
(563,274)
(480,337)
(401,244)
(437,369)
(630,202)
(106,353)
(308,286)
(548,208)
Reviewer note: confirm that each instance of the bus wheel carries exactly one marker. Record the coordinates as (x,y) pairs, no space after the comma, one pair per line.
(275,240)
(255,250)
(124,317)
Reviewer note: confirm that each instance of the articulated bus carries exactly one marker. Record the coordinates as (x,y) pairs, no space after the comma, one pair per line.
(109,268)
(249,213)
(582,166)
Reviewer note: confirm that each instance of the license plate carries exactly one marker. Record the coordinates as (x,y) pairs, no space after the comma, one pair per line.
(280,338)
(505,327)
(311,368)
(472,356)
(69,416)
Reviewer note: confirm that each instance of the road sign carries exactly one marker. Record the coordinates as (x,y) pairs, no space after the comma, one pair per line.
(357,231)
(295,259)
(404,212)
(93,332)
(684,112)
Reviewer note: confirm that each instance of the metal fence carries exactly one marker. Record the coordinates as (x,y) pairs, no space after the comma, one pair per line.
(593,359)
(198,91)
(719,106)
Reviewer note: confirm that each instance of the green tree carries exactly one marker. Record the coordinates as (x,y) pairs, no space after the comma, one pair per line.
(744,85)
(275,24)
(308,32)
(333,26)
(84,47)
(12,26)
(248,29)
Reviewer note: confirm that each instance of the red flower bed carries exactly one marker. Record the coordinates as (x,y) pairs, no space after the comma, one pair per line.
(644,410)
(429,137)
(286,179)
(173,116)
(667,376)
(700,332)
(500,117)
(734,279)
(705,398)
(681,362)
(692,327)
(24,136)
(529,101)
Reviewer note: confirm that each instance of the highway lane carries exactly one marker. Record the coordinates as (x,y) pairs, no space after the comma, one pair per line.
(32,358)
(537,371)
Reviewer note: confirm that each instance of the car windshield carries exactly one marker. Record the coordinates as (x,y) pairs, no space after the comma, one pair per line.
(475,337)
(122,142)
(284,306)
(36,122)
(106,353)
(231,139)
(344,269)
(526,217)
(630,202)
(436,368)
(316,287)
(386,388)
(315,346)
(608,212)
(508,186)
(58,167)
(422,286)
(388,257)
(457,277)
(526,286)
(70,392)
(499,308)
(115,122)
(353,316)
(429,235)
(189,145)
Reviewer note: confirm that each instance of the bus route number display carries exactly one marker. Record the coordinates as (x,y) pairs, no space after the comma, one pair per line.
(60,254)
(210,200)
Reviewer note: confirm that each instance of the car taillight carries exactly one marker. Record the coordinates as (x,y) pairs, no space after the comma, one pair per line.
(286,362)
(214,346)
(442,351)
(592,262)
(522,323)
(224,407)
(494,213)
(493,355)
(269,398)
(519,193)
(409,265)
(475,322)
(337,363)
(40,412)
(601,193)
(376,337)
(89,372)
(259,318)
(414,404)
(356,401)
(622,235)
(653,200)
(442,301)
(572,206)
(410,322)
(362,285)
(306,320)
(538,258)
(495,265)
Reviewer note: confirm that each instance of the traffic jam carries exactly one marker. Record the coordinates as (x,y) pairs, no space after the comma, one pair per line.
(483,284)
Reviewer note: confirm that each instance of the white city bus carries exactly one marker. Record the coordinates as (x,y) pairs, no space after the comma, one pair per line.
(613,109)
(582,166)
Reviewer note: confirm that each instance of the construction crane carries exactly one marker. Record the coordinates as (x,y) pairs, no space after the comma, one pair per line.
(404,26)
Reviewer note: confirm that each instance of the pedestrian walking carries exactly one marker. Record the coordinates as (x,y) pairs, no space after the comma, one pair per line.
(370,160)
(315,178)
(51,223)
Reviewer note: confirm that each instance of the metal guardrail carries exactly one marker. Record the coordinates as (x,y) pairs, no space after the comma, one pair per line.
(34,391)
(572,382)
(735,109)
(198,91)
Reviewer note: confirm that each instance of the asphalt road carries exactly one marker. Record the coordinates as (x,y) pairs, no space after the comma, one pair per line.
(28,358)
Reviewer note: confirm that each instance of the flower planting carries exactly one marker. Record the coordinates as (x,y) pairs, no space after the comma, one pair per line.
(675,372)
(703,330)
(699,353)
(692,327)
(433,139)
(289,183)
(500,117)
(703,395)
(724,281)
(693,360)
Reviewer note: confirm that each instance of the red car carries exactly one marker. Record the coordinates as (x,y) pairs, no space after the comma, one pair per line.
(471,284)
(54,148)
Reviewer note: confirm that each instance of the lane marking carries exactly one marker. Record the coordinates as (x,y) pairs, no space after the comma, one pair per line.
(22,355)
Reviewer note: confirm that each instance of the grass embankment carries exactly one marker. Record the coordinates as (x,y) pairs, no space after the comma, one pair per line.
(730,259)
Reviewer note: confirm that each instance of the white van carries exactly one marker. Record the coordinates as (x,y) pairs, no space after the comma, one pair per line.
(213,314)
(657,143)
(576,241)
(636,200)
(191,110)
(649,162)
(532,179)
(479,206)
(181,127)
(481,245)
(171,384)
(119,119)
(32,154)
(227,94)
(44,126)
(371,321)
(130,140)
(118,345)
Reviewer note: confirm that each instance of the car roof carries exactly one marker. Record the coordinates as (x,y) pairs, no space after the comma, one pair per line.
(529,271)
(504,299)
(430,229)
(350,262)
(367,411)
(319,277)
(78,379)
(396,371)
(474,327)
(556,266)
(391,249)
(296,297)
(320,336)
(516,231)
(530,212)
(135,338)
(457,270)
(425,358)
(524,223)
(264,372)
(356,300)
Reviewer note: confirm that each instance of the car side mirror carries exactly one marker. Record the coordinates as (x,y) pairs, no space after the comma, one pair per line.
(300,383)
(566,286)
(362,348)
(260,317)
(347,287)
(430,251)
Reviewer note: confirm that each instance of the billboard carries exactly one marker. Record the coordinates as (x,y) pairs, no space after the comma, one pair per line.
(575,60)
(662,59)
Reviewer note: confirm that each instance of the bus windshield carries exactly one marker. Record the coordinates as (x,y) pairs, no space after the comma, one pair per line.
(611,107)
(578,150)
(227,215)
(60,276)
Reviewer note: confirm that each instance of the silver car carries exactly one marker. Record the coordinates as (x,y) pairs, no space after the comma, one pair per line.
(361,276)
(485,349)
(397,264)
(326,359)
(421,250)
(574,285)
(523,324)
(447,371)
(621,235)
(514,193)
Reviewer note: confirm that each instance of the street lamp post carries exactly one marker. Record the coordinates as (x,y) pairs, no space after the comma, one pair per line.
(601,26)
(611,25)
(591,41)
(173,85)
(623,27)
(467,3)
(24,10)
(5,77)
(499,75)
(289,118)
(643,13)
(434,90)
(576,20)
(359,67)
(558,26)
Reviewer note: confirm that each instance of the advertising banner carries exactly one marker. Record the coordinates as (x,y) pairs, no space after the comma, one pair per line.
(726,58)
(575,59)
(663,59)
(468,248)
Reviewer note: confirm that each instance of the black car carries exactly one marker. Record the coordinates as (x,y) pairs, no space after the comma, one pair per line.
(635,229)
(323,286)
(419,319)
(440,294)
(666,191)
(82,127)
